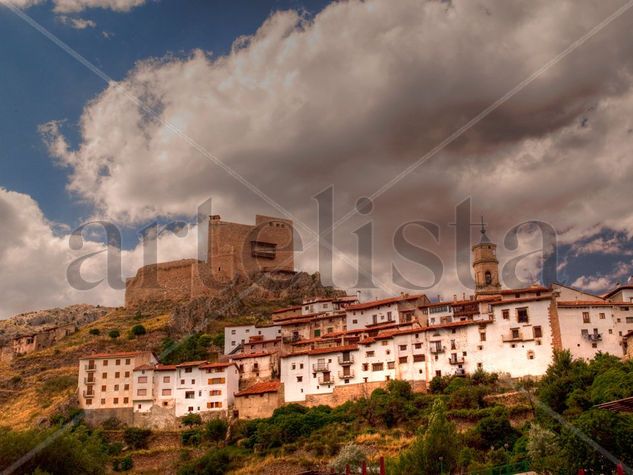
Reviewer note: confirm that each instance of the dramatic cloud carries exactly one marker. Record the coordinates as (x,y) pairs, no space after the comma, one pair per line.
(351,98)
(35,258)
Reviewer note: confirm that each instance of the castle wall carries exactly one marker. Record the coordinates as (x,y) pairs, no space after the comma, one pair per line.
(256,406)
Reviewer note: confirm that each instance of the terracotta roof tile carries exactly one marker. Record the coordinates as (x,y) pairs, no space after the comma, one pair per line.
(121,354)
(260,354)
(387,301)
(260,388)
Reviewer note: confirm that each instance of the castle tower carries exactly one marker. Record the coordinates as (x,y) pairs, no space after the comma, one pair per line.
(485,265)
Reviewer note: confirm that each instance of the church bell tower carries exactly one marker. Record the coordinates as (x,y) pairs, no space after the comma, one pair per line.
(485,265)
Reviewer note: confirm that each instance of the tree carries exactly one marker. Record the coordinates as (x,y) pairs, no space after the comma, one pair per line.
(544,450)
(191,420)
(138,330)
(136,438)
(94,331)
(435,450)
(352,455)
(215,430)
(114,333)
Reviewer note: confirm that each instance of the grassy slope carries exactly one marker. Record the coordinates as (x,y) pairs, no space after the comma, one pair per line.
(35,386)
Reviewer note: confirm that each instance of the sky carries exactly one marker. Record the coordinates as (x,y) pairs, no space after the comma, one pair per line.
(132,112)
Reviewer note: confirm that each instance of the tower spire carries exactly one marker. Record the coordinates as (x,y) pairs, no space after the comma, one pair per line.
(484,238)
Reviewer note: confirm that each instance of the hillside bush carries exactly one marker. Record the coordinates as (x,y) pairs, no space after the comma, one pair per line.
(114,333)
(138,330)
(136,438)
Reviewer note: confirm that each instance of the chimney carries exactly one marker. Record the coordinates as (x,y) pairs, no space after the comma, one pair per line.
(454,297)
(463,295)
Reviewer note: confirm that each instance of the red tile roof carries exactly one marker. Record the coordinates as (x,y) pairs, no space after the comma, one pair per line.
(589,303)
(536,288)
(260,388)
(187,364)
(388,301)
(165,367)
(617,289)
(225,364)
(287,309)
(121,354)
(145,367)
(521,300)
(242,356)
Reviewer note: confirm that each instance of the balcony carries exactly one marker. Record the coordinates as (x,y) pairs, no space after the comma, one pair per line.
(513,337)
(325,380)
(593,337)
(320,367)
(460,372)
(346,374)
(91,368)
(456,360)
(88,394)
(345,360)
(89,380)
(435,349)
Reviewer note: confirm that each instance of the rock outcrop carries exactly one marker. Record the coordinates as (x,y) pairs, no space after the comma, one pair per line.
(256,295)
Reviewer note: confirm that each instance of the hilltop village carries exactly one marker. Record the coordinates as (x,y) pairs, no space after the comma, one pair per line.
(333,349)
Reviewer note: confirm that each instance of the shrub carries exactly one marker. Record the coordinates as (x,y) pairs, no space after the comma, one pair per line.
(138,330)
(191,437)
(136,438)
(352,455)
(94,331)
(114,333)
(215,430)
(191,420)
(111,423)
(214,462)
(122,464)
(56,385)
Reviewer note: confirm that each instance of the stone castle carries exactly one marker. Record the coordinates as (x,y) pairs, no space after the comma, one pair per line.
(233,250)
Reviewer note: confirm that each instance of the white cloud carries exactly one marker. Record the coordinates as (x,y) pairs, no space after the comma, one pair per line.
(35,259)
(74,6)
(77,23)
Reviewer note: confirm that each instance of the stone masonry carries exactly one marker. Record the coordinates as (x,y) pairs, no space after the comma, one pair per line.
(234,250)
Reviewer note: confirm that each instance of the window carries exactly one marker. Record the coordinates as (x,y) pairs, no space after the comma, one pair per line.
(142,379)
(215,392)
(103,388)
(127,361)
(370,354)
(377,366)
(585,317)
(629,319)
(141,392)
(188,370)
(104,375)
(354,321)
(602,316)
(417,346)
(538,332)
(365,366)
(217,381)
(391,365)
(402,359)
(418,358)
(127,374)
(403,347)
(530,355)
(126,400)
(117,375)
(116,387)
(506,314)
(126,387)
(522,315)
(190,394)
(515,333)
(105,362)
(317,333)
(482,336)
(165,379)
(488,277)
(166,392)
(102,401)
(88,402)
(115,400)
(117,362)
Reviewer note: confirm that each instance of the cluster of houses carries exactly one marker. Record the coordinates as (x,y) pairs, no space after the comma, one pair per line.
(330,350)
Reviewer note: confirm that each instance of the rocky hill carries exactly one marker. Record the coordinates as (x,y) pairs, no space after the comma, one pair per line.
(255,297)
(33,322)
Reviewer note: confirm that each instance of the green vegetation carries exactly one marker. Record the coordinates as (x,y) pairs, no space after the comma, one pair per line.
(114,334)
(94,331)
(138,330)
(192,348)
(136,438)
(76,450)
